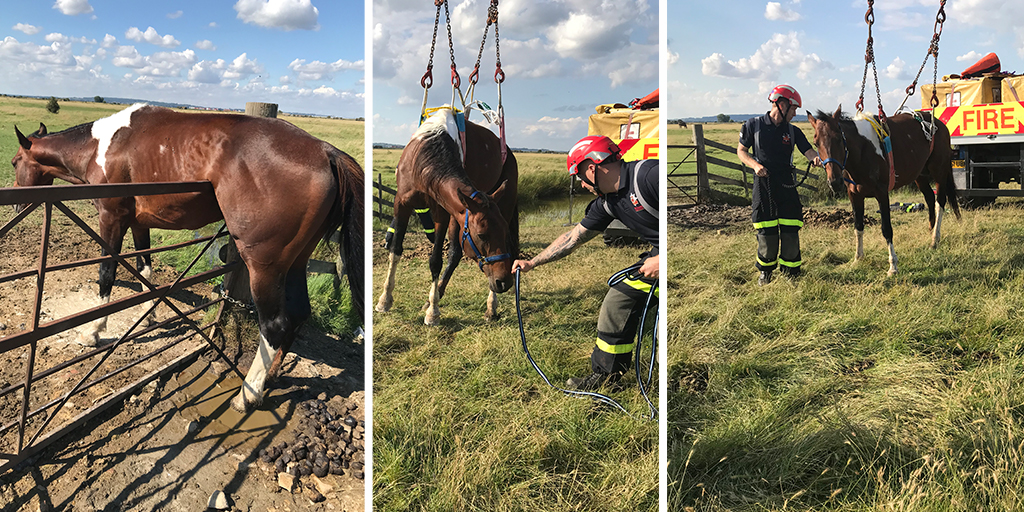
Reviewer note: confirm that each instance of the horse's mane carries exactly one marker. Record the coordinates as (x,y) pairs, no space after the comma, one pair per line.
(822,116)
(74,130)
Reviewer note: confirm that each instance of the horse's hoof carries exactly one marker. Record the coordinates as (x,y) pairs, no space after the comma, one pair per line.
(91,340)
(490,317)
(431,318)
(891,273)
(383,306)
(239,404)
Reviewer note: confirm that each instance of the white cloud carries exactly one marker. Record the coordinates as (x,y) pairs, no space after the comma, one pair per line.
(775,11)
(175,15)
(284,80)
(897,69)
(73,7)
(207,72)
(205,44)
(56,37)
(152,37)
(242,67)
(36,57)
(282,14)
(554,126)
(317,70)
(971,56)
(673,57)
(213,24)
(109,41)
(27,29)
(779,53)
(593,31)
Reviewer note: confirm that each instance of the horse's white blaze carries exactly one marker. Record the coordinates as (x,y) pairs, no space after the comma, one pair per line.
(937,234)
(384,304)
(860,245)
(441,121)
(252,388)
(865,130)
(103,131)
(892,259)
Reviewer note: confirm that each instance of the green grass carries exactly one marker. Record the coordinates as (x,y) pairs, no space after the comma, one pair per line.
(462,422)
(850,390)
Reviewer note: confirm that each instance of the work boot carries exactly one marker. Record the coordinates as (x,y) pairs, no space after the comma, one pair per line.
(791,272)
(595,381)
(764,278)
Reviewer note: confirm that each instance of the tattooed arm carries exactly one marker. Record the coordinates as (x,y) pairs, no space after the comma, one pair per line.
(561,247)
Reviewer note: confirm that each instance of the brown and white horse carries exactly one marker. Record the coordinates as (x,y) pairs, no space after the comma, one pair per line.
(485,226)
(855,160)
(278,189)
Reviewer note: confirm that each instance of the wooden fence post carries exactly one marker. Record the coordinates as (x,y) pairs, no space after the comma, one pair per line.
(703,184)
(255,108)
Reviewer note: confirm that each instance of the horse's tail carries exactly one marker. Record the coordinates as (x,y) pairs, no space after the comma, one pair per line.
(347,217)
(950,191)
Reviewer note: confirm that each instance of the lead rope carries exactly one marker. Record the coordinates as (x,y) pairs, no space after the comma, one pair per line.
(588,394)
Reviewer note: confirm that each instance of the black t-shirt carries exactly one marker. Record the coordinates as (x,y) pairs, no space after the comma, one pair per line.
(776,148)
(635,203)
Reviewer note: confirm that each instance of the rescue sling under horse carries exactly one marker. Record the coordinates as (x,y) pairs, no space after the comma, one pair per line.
(485,226)
(279,190)
(857,157)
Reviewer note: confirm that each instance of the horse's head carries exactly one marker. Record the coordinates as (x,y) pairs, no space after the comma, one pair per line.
(831,145)
(28,170)
(485,237)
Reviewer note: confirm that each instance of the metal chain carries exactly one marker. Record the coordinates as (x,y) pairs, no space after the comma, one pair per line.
(456,81)
(428,78)
(492,12)
(869,54)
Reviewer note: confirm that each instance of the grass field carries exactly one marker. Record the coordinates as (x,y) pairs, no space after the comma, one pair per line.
(848,390)
(27,113)
(462,422)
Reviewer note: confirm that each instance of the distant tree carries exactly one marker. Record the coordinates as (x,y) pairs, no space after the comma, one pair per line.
(722,118)
(98,99)
(52,106)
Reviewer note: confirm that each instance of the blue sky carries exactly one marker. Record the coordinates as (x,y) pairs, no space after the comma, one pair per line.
(741,51)
(561,59)
(307,56)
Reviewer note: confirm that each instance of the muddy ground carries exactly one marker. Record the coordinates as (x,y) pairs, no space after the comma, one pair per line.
(176,442)
(715,217)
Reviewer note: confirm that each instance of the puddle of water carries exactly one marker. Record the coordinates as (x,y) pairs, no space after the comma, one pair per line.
(206,398)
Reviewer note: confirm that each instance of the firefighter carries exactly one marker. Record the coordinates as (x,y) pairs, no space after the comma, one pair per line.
(627,191)
(777,212)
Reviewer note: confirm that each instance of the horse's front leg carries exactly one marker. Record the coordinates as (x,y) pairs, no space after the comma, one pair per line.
(883,207)
(395,239)
(144,264)
(857,202)
(432,312)
(112,230)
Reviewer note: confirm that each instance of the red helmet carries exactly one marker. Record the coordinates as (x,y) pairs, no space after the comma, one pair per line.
(785,91)
(597,148)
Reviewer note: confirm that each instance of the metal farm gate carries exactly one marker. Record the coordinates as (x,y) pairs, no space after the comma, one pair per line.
(35,428)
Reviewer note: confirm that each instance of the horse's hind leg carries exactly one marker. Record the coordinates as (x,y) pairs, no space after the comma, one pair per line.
(144,264)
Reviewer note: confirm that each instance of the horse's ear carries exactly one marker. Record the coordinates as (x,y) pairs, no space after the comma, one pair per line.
(467,202)
(496,195)
(812,120)
(42,130)
(839,111)
(25,143)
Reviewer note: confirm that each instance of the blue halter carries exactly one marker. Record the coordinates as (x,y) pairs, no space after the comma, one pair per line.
(846,156)
(466,236)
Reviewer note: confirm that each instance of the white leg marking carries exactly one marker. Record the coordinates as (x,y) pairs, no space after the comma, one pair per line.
(859,254)
(937,233)
(433,310)
(386,299)
(252,389)
(892,259)
(146,272)
(90,334)
(492,305)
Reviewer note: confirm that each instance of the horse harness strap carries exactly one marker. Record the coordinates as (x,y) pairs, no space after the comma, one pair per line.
(481,259)
(881,129)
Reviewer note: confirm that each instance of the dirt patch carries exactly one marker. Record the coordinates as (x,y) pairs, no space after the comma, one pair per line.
(176,442)
(713,217)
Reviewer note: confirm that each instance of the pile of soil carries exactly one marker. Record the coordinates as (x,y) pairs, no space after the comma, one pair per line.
(712,217)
